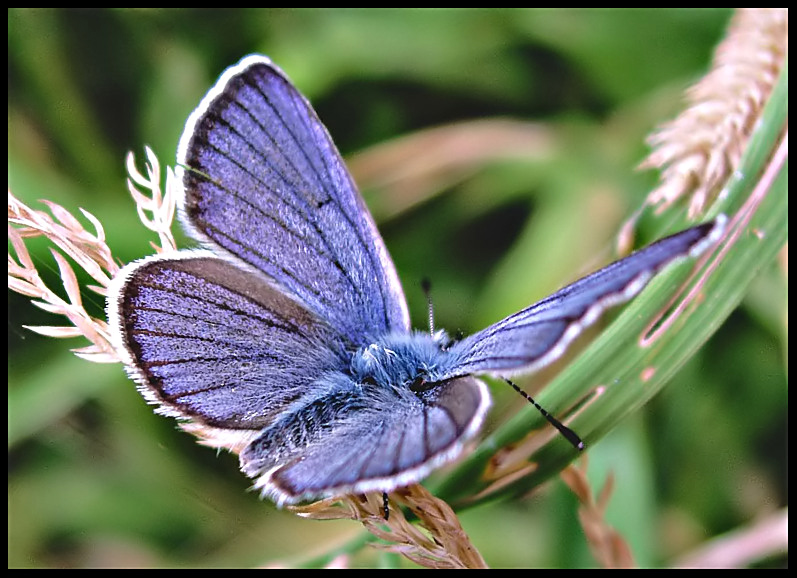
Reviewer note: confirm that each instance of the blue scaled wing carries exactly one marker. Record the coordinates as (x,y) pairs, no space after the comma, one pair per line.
(263,182)
(211,342)
(539,334)
(255,371)
(365,439)
(250,340)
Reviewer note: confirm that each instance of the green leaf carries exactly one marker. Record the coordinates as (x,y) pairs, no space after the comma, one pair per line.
(615,376)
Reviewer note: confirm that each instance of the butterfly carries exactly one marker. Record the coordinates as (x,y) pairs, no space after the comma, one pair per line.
(287,338)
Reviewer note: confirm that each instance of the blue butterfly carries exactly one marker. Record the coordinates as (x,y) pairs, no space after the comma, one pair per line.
(288,340)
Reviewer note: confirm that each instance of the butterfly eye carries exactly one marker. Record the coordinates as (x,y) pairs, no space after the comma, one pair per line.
(420,384)
(368,380)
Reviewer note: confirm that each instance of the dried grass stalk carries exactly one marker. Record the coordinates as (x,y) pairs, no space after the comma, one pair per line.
(606,544)
(436,541)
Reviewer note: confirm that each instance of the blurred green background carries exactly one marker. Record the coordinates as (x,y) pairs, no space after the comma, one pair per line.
(96,479)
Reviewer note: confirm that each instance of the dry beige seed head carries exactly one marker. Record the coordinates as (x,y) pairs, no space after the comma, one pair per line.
(701,148)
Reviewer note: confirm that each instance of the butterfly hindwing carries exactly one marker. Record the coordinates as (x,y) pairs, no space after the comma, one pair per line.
(368,439)
(215,343)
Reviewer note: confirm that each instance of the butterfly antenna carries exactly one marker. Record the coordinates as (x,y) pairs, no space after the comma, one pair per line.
(426,285)
(569,434)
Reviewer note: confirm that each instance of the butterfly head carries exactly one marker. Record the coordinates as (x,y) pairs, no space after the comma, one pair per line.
(400,362)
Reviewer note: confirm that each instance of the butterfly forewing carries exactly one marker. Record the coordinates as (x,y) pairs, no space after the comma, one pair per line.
(540,333)
(264,181)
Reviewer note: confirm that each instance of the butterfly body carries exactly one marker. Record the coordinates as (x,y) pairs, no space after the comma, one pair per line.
(392,408)
(287,338)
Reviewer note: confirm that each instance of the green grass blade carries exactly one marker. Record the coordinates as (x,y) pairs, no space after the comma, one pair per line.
(615,376)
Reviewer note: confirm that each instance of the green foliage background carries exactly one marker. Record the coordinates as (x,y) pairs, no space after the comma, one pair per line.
(95,479)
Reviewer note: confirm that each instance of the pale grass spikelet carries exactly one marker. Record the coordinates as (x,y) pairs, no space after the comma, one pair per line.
(448,546)
(88,250)
(436,541)
(606,544)
(160,206)
(701,148)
